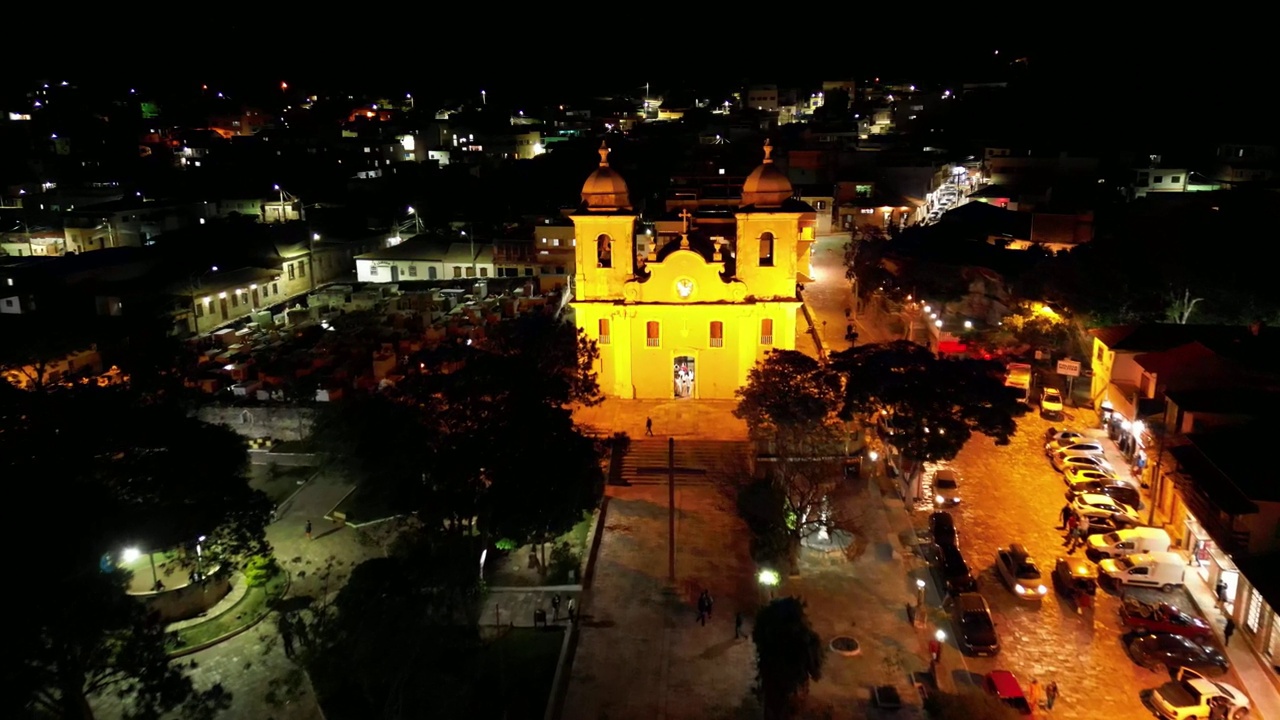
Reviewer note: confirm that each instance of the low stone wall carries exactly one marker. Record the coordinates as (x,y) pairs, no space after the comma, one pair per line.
(187,601)
(281,422)
(266,457)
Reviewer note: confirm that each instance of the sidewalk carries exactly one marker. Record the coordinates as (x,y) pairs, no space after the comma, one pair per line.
(681,419)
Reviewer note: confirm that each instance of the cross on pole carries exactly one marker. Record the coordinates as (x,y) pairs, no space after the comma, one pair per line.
(671,470)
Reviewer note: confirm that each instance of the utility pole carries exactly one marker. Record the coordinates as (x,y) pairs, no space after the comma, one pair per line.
(671,515)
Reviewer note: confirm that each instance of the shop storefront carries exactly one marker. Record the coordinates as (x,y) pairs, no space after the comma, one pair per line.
(1260,625)
(1209,563)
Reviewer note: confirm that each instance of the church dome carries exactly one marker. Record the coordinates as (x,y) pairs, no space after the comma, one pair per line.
(766,186)
(605,189)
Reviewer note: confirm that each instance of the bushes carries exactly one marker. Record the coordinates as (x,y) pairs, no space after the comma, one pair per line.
(564,561)
(260,569)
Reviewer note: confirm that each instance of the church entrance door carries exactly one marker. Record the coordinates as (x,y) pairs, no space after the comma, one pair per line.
(683,377)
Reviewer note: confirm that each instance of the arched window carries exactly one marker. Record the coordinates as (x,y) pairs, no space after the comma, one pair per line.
(604,251)
(766,250)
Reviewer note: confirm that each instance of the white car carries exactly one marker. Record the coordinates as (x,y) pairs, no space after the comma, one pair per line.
(1065,442)
(1192,695)
(1058,457)
(1092,462)
(1092,505)
(1076,474)
(946,488)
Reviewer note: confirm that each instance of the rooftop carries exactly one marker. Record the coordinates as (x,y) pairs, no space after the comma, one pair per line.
(1154,337)
(414,248)
(1232,462)
(1247,401)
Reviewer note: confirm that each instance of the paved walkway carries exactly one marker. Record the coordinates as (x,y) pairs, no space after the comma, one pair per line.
(690,419)
(513,606)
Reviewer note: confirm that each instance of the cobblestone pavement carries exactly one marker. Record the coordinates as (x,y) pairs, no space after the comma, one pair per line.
(1012,494)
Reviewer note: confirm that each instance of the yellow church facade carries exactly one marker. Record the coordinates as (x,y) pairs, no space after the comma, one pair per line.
(694,316)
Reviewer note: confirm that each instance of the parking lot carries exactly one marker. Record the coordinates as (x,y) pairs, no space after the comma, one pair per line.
(1010,495)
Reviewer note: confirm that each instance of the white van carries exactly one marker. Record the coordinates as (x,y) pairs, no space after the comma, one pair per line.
(1164,570)
(1130,542)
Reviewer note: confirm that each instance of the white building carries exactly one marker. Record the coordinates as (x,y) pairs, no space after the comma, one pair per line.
(413,259)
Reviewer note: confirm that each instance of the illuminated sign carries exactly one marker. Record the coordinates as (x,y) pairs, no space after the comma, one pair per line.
(19,116)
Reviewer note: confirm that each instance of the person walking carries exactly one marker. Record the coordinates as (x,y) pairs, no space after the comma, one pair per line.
(1220,590)
(702,608)
(707,594)
(555,607)
(573,611)
(1065,515)
(1050,694)
(308,529)
(737,626)
(286,634)
(1227,631)
(1034,694)
(1073,522)
(648,426)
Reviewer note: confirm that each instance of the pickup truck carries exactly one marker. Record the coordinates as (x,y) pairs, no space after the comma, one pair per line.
(1191,695)
(1163,618)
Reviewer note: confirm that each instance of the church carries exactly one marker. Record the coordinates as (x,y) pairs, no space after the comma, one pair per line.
(691,317)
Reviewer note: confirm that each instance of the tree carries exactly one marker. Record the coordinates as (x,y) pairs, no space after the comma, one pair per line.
(116,470)
(789,397)
(556,352)
(931,405)
(789,655)
(401,640)
(863,259)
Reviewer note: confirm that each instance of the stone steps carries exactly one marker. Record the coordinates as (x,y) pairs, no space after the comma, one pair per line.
(697,461)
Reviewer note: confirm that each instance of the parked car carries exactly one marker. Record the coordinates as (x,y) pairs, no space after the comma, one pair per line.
(1050,403)
(1054,433)
(976,631)
(946,488)
(1077,473)
(956,576)
(1102,525)
(1093,462)
(1004,685)
(1073,577)
(1165,570)
(1158,652)
(1093,449)
(1161,618)
(1130,542)
(942,526)
(1117,490)
(1093,505)
(1192,695)
(1020,572)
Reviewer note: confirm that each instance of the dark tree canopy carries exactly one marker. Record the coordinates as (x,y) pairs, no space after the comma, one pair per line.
(789,654)
(103,470)
(934,405)
(788,391)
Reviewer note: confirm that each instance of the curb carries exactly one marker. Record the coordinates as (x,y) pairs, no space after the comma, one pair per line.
(560,682)
(288,580)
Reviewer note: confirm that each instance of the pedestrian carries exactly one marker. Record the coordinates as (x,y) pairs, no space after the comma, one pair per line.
(1073,522)
(286,635)
(648,426)
(308,529)
(1065,515)
(1227,631)
(935,655)
(710,602)
(1033,695)
(702,609)
(1220,590)
(555,607)
(737,626)
(573,611)
(1050,694)
(1077,539)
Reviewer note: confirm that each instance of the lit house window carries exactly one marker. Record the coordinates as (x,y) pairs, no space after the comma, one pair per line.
(766,331)
(652,337)
(717,333)
(604,332)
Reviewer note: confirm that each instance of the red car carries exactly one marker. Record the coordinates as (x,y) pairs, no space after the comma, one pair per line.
(1005,686)
(1161,618)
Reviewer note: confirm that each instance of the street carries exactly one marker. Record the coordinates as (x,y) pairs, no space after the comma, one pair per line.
(1009,495)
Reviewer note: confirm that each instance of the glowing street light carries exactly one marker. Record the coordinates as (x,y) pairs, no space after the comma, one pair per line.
(130,554)
(940,635)
(938,323)
(968,324)
(873,455)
